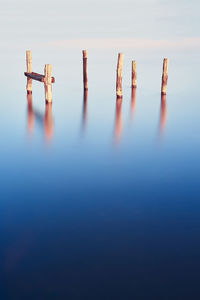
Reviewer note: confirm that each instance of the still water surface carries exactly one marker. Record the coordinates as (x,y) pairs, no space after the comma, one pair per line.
(100,199)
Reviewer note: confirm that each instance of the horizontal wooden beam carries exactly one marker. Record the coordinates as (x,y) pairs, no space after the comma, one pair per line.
(38,77)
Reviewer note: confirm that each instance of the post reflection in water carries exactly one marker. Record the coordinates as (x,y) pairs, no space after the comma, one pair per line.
(118,120)
(33,116)
(30,112)
(85,110)
(48,121)
(133,101)
(163,114)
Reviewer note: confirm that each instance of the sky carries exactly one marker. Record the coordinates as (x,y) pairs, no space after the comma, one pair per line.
(37,22)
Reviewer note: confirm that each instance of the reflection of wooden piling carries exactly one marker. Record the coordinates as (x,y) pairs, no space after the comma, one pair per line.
(31,116)
(163,113)
(133,101)
(134,74)
(48,83)
(29,70)
(164,77)
(118,119)
(85,100)
(119,76)
(85,75)
(48,121)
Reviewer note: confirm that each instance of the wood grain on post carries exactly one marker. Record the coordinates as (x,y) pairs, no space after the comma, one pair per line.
(134,74)
(119,75)
(164,77)
(85,76)
(29,70)
(48,83)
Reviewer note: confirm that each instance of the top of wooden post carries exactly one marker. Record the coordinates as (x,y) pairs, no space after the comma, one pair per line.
(120,61)
(133,64)
(85,54)
(48,72)
(28,53)
(165,65)
(29,61)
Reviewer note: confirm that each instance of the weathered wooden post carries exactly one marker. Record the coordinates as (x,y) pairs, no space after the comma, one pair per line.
(48,83)
(119,76)
(85,75)
(29,70)
(46,78)
(164,77)
(134,74)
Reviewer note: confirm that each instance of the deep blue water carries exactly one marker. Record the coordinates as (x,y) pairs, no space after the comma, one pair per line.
(100,200)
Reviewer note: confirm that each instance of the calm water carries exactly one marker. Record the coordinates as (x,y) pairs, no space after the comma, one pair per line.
(100,200)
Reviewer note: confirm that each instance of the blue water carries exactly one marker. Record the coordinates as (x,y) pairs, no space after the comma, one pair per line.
(100,199)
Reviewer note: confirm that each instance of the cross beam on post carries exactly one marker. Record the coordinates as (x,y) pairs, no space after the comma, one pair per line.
(37,76)
(46,78)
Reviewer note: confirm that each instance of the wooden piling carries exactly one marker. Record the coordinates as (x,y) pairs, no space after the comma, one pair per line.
(85,75)
(48,83)
(119,76)
(134,74)
(164,77)
(29,70)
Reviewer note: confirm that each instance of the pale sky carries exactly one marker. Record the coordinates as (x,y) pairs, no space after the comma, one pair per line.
(51,21)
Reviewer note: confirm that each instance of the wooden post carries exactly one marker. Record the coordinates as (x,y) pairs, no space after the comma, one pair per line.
(164,77)
(29,70)
(48,83)
(119,76)
(85,76)
(134,74)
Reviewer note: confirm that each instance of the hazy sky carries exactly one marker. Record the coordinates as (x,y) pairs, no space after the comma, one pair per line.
(36,21)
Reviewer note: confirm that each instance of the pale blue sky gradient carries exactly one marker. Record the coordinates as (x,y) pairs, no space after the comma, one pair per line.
(44,21)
